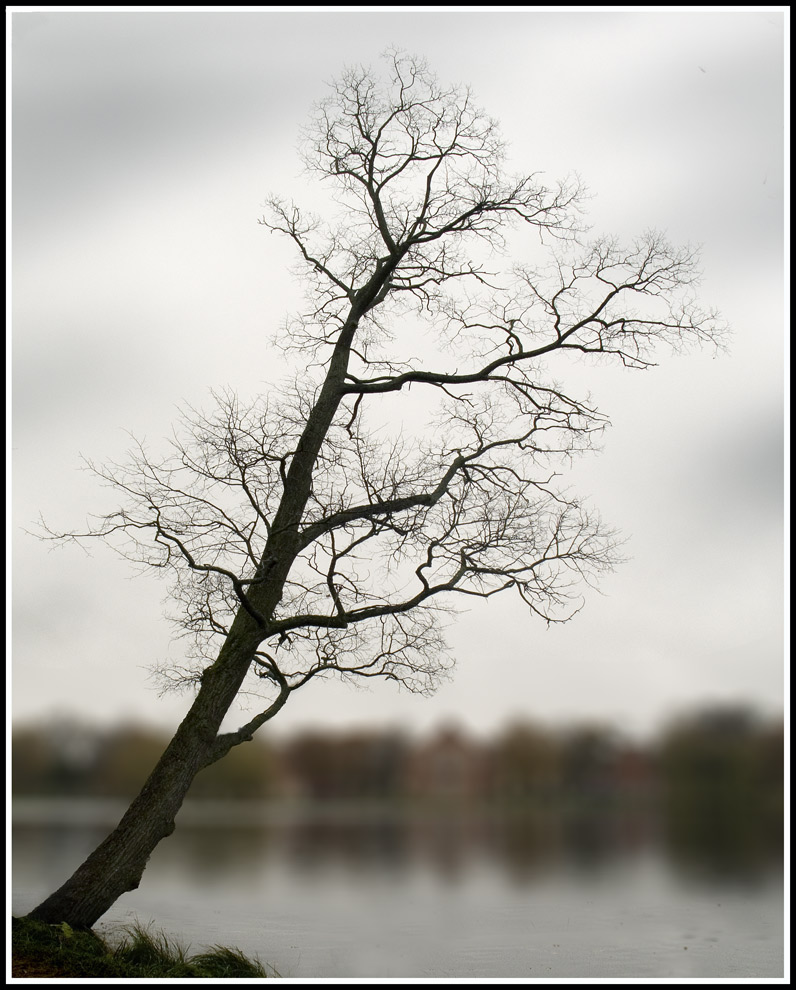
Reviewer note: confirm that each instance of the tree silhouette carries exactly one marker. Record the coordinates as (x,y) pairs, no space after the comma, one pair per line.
(326,528)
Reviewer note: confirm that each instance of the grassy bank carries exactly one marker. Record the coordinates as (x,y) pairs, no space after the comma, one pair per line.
(40,951)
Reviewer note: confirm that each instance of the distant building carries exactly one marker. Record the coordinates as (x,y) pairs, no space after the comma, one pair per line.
(449,765)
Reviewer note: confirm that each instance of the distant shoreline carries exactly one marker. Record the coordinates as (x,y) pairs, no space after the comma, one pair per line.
(216,812)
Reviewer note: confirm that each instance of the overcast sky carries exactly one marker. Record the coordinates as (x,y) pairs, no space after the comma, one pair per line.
(144,145)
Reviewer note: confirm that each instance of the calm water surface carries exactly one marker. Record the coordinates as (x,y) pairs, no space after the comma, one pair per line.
(367,893)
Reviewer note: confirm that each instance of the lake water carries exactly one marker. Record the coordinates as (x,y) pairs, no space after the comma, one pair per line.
(369,893)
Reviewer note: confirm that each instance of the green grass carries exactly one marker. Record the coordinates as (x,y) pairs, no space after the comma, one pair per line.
(41,950)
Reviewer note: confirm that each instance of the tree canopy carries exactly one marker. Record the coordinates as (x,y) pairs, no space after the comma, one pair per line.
(324,527)
(416,456)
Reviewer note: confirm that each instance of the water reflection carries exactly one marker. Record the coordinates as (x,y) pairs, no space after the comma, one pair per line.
(524,844)
(372,892)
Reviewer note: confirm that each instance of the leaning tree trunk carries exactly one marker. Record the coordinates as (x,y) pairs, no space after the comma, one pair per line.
(117,864)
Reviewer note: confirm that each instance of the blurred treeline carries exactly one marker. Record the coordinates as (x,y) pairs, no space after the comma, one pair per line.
(719,768)
(710,788)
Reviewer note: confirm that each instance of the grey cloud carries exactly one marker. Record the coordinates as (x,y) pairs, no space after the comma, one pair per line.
(745,460)
(103,103)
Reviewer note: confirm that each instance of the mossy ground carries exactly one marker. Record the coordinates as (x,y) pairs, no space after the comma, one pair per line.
(40,951)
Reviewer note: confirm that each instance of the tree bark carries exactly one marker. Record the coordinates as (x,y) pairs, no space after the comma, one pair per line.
(118,863)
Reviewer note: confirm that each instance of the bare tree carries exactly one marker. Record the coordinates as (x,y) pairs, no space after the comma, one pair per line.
(317,531)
